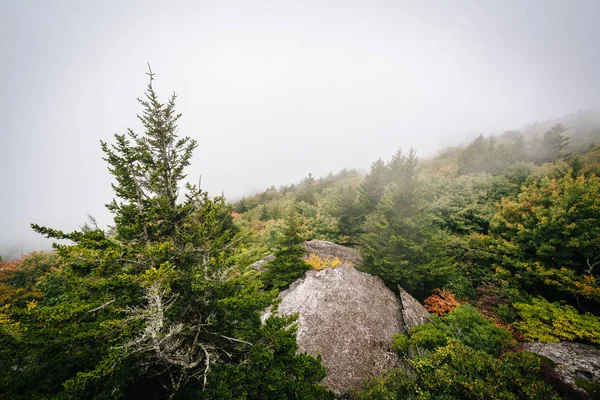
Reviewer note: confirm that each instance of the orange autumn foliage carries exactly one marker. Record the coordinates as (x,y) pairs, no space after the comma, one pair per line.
(441,302)
(236,215)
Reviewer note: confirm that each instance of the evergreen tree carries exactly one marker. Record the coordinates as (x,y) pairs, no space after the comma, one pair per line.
(553,143)
(487,155)
(347,212)
(148,170)
(240,206)
(288,265)
(400,244)
(154,310)
(372,187)
(307,192)
(264,213)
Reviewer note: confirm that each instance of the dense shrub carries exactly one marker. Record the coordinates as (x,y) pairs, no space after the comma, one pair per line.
(553,322)
(458,371)
(465,324)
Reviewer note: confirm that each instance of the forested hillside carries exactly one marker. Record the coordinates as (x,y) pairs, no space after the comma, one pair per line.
(500,239)
(504,230)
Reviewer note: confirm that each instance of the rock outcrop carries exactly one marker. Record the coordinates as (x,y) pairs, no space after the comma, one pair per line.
(260,265)
(576,363)
(413,312)
(349,317)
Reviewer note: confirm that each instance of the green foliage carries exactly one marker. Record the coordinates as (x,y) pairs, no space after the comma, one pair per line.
(460,372)
(554,322)
(457,371)
(401,244)
(19,278)
(395,384)
(155,310)
(288,264)
(464,324)
(272,369)
(550,229)
(465,204)
(307,191)
(554,221)
(372,187)
(460,356)
(148,170)
(347,211)
(485,155)
(553,143)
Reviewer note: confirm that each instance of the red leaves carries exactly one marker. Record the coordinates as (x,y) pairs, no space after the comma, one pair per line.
(441,302)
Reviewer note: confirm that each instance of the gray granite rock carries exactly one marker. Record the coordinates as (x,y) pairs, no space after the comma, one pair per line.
(413,312)
(573,361)
(349,317)
(260,265)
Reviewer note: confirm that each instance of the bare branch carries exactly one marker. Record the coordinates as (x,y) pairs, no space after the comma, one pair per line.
(102,306)
(236,340)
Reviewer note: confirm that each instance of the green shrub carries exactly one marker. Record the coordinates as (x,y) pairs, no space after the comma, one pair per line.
(457,371)
(552,322)
(464,324)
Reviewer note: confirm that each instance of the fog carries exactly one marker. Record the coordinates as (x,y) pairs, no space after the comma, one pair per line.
(272,90)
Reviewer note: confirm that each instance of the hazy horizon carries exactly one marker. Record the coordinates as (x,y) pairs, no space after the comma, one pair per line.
(272,90)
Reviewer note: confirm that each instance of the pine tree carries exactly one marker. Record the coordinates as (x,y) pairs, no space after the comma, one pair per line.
(372,187)
(553,143)
(288,265)
(400,244)
(148,170)
(161,303)
(347,212)
(264,213)
(307,192)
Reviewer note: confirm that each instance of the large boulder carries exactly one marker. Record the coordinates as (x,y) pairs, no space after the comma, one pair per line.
(349,317)
(577,365)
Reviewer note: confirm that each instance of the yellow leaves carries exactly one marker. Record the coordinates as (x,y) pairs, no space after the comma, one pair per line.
(31,305)
(319,263)
(7,325)
(552,322)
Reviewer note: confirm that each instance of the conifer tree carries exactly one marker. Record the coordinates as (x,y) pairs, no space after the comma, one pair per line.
(264,213)
(345,208)
(400,244)
(553,143)
(288,265)
(161,304)
(307,193)
(372,187)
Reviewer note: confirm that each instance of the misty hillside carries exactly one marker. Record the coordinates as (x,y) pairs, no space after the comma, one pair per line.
(298,200)
(334,206)
(584,128)
(498,240)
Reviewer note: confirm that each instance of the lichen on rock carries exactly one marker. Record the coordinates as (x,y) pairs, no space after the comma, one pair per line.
(348,317)
(576,364)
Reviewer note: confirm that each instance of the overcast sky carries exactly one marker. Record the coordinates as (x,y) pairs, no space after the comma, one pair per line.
(272,90)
